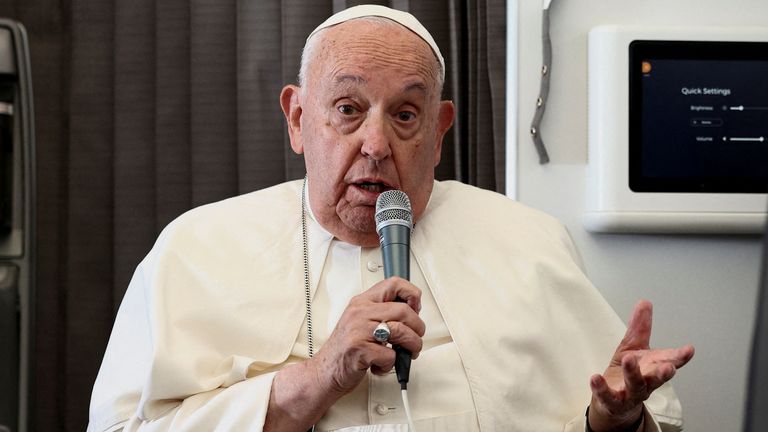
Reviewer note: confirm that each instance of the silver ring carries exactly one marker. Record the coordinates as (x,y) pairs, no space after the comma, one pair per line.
(381,332)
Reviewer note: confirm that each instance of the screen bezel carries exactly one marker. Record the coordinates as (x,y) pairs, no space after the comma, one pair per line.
(640,50)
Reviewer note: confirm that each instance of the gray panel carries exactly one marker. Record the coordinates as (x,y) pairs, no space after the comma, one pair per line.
(7,62)
(16,254)
(756,416)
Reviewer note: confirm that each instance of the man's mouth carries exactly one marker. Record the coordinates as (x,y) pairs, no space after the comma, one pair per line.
(373,187)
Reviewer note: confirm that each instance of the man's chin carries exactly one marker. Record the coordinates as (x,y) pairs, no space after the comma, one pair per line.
(363,227)
(361,221)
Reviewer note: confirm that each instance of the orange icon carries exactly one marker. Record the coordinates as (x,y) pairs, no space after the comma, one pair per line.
(646,67)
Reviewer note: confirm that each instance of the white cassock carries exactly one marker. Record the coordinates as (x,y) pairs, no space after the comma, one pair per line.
(514,328)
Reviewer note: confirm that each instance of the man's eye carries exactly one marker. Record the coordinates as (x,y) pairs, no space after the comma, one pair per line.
(347,109)
(406,116)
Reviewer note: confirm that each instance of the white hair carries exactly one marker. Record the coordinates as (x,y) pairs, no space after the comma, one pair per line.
(308,53)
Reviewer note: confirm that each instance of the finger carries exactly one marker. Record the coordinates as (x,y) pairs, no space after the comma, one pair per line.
(660,366)
(660,375)
(402,313)
(638,334)
(381,371)
(633,378)
(685,354)
(678,357)
(380,358)
(601,391)
(402,335)
(394,288)
(665,373)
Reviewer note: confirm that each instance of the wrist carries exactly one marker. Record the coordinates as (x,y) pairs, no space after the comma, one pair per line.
(632,422)
(298,398)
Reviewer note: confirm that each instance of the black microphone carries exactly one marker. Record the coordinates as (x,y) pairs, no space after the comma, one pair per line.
(394,221)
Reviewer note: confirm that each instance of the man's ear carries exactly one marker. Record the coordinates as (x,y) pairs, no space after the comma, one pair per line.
(291,104)
(444,122)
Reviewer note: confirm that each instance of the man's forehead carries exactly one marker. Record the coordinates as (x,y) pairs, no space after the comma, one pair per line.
(344,81)
(403,18)
(356,54)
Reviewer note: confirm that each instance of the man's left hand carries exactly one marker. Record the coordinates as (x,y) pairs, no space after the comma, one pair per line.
(634,373)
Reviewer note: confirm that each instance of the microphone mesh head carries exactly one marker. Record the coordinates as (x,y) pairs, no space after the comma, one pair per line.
(393,207)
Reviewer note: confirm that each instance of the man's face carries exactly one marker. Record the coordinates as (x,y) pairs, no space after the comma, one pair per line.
(368,119)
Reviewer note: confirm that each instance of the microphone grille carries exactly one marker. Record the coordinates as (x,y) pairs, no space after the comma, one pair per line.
(393,206)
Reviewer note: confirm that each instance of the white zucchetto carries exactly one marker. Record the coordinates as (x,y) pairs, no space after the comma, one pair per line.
(403,18)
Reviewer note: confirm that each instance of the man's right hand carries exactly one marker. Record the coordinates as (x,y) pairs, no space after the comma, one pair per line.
(303,392)
(351,349)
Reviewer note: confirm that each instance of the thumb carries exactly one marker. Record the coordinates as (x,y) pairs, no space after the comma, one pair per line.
(638,335)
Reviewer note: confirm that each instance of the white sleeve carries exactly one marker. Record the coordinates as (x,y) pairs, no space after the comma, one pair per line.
(242,406)
(116,397)
(124,368)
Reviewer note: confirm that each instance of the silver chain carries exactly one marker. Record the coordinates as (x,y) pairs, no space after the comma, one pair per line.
(307,291)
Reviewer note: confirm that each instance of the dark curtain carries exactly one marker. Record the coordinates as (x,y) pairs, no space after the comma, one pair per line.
(147,108)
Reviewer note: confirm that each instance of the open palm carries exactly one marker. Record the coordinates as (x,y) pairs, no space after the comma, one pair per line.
(634,372)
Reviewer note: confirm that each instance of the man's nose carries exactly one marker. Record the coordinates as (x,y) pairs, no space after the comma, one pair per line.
(376,139)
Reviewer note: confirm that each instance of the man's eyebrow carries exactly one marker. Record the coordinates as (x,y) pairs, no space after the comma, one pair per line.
(418,86)
(348,79)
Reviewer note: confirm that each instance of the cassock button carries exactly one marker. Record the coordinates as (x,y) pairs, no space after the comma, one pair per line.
(372,266)
(382,409)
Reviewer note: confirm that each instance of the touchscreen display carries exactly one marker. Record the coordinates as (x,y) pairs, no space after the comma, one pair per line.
(698,117)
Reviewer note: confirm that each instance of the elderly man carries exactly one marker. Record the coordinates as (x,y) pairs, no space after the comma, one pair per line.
(218,327)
